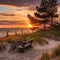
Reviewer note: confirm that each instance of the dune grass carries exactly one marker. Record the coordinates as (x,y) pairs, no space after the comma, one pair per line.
(56,52)
(2,46)
(37,36)
(51,56)
(45,56)
(49,34)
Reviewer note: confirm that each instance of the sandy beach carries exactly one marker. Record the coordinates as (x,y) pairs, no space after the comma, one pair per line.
(32,54)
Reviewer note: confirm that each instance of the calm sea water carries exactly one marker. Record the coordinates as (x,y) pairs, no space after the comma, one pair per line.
(12,31)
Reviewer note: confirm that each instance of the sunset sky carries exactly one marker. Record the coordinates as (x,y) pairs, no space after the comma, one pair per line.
(13,13)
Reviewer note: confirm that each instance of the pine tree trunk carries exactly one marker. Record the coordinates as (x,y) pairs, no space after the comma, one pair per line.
(51,21)
(44,26)
(7,33)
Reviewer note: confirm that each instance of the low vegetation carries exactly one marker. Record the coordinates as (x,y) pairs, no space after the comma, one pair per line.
(49,34)
(56,52)
(45,56)
(2,46)
(37,36)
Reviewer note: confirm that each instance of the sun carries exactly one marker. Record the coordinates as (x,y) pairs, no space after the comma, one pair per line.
(29,25)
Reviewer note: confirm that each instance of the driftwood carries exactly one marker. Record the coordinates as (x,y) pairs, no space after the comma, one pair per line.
(21,46)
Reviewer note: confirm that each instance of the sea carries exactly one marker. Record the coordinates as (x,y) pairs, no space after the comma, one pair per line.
(13,31)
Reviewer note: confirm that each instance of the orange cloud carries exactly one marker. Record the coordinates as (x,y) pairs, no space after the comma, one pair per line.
(16,14)
(16,26)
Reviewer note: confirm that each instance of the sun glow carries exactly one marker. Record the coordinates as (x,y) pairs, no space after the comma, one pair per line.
(19,16)
(29,25)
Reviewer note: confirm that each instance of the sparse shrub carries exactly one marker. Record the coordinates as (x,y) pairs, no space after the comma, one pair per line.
(41,41)
(45,56)
(56,52)
(2,46)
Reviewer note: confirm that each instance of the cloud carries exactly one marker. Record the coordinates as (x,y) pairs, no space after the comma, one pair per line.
(4,22)
(19,2)
(31,7)
(5,14)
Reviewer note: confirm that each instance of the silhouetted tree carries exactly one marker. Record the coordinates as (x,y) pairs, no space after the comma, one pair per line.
(46,11)
(7,33)
(52,10)
(42,12)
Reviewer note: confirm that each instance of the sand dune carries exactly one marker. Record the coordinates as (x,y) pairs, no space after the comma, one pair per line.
(31,54)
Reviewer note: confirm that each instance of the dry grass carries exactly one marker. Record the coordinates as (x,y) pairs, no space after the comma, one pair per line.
(34,36)
(56,52)
(37,36)
(45,56)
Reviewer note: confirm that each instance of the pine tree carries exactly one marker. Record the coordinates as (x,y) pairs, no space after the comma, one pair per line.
(47,10)
(52,10)
(42,12)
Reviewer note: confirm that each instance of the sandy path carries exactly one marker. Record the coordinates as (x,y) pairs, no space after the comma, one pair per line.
(31,54)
